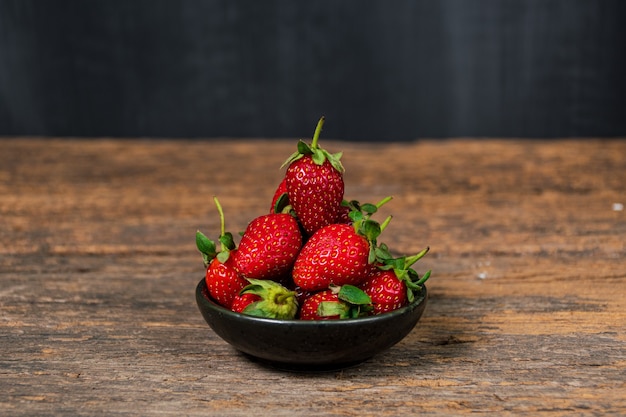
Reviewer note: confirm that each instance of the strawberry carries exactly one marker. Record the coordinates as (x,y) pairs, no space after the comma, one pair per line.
(268,247)
(393,283)
(310,306)
(301,294)
(335,254)
(222,279)
(279,195)
(386,291)
(242,301)
(339,254)
(314,181)
(335,303)
(344,214)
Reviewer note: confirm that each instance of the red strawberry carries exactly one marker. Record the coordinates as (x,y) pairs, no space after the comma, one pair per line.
(280,193)
(242,301)
(336,303)
(310,306)
(394,283)
(268,247)
(301,294)
(339,254)
(344,215)
(222,279)
(315,186)
(386,291)
(335,254)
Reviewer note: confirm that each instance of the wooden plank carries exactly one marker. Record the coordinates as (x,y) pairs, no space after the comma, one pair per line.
(98,268)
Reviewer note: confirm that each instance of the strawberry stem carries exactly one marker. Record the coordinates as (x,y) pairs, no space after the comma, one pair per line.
(384,224)
(226,238)
(384,201)
(412,259)
(318,130)
(222,221)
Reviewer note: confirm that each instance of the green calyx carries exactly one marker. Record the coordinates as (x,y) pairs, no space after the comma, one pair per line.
(277,302)
(282,206)
(318,155)
(361,214)
(353,302)
(208,248)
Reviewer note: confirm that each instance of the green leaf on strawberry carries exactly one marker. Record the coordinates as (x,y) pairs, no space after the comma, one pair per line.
(303,149)
(383,253)
(223,256)
(353,295)
(282,204)
(352,302)
(333,308)
(370,208)
(318,156)
(206,247)
(355,216)
(370,229)
(227,241)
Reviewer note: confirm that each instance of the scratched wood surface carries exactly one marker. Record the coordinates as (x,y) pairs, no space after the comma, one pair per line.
(98,269)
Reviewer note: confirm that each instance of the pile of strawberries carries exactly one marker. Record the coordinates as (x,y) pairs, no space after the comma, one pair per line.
(314,256)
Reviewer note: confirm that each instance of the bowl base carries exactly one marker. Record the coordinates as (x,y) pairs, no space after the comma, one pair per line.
(301,367)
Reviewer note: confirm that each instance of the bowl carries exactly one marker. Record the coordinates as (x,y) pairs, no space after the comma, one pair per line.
(310,345)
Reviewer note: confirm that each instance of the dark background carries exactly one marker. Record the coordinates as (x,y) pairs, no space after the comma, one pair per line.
(378,70)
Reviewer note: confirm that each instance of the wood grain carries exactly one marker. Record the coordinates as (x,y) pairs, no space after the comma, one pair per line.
(98,267)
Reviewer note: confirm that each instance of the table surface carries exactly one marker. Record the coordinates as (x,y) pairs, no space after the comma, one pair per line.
(98,269)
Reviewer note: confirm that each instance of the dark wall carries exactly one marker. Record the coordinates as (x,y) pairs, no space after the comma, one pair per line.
(378,70)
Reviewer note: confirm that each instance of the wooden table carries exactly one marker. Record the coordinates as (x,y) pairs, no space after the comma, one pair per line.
(98,268)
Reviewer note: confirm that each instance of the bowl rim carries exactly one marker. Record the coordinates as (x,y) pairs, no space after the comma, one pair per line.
(203,296)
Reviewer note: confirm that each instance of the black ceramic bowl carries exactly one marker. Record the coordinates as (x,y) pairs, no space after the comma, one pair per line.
(310,345)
